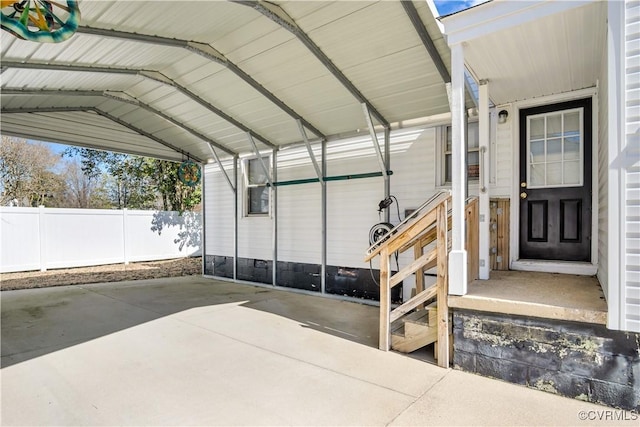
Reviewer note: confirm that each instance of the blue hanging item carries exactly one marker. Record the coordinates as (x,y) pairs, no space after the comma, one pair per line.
(189,173)
(42,21)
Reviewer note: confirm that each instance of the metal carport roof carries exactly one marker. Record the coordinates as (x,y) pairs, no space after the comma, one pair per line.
(176,79)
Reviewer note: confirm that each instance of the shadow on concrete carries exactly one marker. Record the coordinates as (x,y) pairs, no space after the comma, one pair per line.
(36,322)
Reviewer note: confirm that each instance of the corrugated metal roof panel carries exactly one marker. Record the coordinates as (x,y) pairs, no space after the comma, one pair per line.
(373,43)
(84,129)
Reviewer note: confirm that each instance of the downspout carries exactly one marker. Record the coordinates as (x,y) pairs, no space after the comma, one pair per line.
(387,175)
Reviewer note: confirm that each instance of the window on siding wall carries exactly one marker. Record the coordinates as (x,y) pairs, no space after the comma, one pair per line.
(257,194)
(473,155)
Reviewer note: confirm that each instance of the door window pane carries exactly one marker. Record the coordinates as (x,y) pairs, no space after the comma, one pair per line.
(537,152)
(572,148)
(537,175)
(554,126)
(572,172)
(536,130)
(554,173)
(572,123)
(555,152)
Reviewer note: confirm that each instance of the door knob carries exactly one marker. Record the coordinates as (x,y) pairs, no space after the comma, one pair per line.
(523,195)
(523,184)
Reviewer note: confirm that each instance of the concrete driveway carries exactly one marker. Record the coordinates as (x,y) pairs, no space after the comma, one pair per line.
(195,351)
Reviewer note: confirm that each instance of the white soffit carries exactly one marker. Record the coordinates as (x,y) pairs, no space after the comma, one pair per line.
(555,53)
(372,43)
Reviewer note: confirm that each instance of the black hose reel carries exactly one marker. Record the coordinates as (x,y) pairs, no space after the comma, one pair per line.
(378,232)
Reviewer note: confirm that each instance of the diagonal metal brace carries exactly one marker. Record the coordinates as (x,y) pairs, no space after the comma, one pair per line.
(374,138)
(310,151)
(264,167)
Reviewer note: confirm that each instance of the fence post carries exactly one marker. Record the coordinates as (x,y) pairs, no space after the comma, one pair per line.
(43,238)
(125,234)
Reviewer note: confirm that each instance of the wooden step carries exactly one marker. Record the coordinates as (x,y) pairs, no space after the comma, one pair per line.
(407,342)
(415,330)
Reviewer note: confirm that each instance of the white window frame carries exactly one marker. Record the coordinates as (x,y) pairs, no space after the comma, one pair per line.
(248,186)
(562,114)
(441,167)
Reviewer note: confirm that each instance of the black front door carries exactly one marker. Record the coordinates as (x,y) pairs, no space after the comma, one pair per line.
(555,182)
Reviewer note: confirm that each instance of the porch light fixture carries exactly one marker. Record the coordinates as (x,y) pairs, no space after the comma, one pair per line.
(503,116)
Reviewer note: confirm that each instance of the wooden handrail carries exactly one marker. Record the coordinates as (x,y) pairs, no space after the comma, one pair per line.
(431,223)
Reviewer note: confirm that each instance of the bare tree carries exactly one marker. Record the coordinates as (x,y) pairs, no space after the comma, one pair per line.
(82,189)
(26,173)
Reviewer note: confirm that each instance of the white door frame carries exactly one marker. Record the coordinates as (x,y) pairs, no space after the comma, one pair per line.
(566,267)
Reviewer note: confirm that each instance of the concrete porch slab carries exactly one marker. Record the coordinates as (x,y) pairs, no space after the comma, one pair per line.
(547,295)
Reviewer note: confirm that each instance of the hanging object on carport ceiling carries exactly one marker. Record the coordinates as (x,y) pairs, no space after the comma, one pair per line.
(189,173)
(42,21)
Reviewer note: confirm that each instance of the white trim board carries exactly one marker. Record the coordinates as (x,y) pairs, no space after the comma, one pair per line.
(562,267)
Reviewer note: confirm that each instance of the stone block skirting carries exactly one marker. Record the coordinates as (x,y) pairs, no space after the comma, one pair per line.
(579,360)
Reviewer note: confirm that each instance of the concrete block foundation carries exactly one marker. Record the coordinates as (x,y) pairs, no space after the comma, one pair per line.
(579,360)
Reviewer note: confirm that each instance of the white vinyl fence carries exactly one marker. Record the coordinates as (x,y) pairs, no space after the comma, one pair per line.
(45,238)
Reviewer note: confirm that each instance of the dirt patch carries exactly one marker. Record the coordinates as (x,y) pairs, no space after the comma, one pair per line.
(101,273)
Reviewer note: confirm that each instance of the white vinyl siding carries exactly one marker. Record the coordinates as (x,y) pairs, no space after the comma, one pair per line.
(602,180)
(218,207)
(502,152)
(631,178)
(299,212)
(352,204)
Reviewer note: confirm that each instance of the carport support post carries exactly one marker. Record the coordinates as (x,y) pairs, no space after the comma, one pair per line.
(323,267)
(235,217)
(274,212)
(458,256)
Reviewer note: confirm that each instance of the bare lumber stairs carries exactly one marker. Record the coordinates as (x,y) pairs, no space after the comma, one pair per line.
(415,330)
(423,319)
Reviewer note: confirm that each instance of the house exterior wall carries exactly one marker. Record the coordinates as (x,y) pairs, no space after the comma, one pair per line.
(623,165)
(352,209)
(603,181)
(631,172)
(503,155)
(218,199)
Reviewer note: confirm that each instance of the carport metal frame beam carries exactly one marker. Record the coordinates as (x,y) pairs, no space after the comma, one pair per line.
(411,11)
(209,52)
(276,14)
(106,115)
(150,74)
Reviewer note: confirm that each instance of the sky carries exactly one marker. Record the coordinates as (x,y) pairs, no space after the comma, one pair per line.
(445,7)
